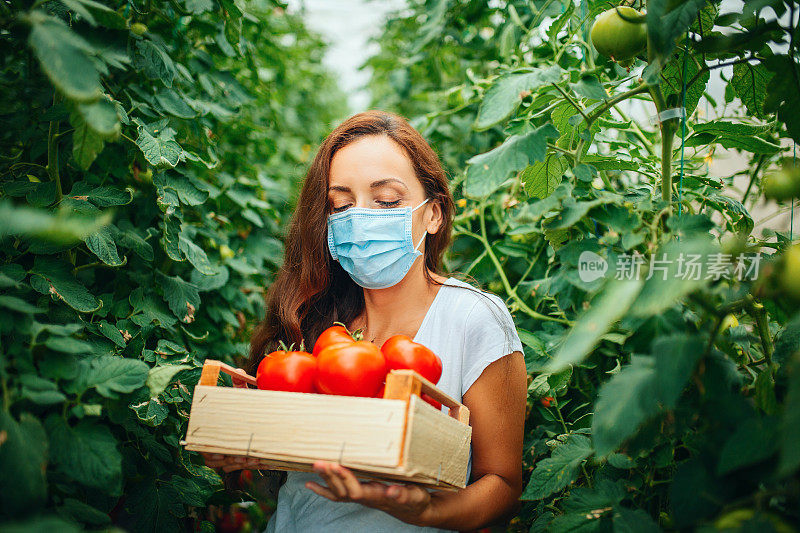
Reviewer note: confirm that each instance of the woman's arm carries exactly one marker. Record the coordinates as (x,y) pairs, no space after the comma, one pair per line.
(496,402)
(497,414)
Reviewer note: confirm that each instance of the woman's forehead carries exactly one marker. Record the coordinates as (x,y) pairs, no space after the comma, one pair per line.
(370,162)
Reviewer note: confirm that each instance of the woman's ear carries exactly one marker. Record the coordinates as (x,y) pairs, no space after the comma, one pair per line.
(434,217)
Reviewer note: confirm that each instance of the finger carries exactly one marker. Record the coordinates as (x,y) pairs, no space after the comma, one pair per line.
(322,491)
(334,482)
(231,467)
(238,381)
(351,484)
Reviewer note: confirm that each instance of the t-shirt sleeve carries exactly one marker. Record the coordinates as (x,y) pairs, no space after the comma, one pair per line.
(490,334)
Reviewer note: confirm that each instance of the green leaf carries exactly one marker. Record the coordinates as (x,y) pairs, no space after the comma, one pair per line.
(154,507)
(69,345)
(152,412)
(755,145)
(675,74)
(86,144)
(157,143)
(111,332)
(62,228)
(101,117)
(609,306)
(589,87)
(182,297)
(83,513)
(151,59)
(191,491)
(623,403)
(187,192)
(159,377)
(147,308)
(486,172)
(754,440)
(101,244)
(54,278)
(666,21)
(558,470)
(505,94)
(790,434)
(170,238)
(64,57)
(42,524)
(559,23)
(542,178)
(174,104)
(633,521)
(87,453)
(19,305)
(111,374)
(676,357)
(605,162)
(196,256)
(23,464)
(672,277)
(105,196)
(749,83)
(199,6)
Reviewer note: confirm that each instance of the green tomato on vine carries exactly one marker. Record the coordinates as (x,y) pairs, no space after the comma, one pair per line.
(783,184)
(137,28)
(618,38)
(789,276)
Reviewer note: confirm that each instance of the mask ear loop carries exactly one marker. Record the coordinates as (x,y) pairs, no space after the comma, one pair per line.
(425,234)
(421,204)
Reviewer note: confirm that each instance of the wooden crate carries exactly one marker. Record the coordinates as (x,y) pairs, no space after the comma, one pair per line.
(397,437)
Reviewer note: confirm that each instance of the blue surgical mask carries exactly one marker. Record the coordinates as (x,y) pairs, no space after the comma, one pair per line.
(374,246)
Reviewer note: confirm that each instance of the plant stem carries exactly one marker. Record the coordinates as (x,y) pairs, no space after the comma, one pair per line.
(667,132)
(503,278)
(597,113)
(757,311)
(637,131)
(52,153)
(571,101)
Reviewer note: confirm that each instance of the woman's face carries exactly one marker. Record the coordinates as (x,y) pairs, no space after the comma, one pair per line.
(374,172)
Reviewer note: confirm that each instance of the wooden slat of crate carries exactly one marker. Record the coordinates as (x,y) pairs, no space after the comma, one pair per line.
(436,444)
(384,474)
(297,427)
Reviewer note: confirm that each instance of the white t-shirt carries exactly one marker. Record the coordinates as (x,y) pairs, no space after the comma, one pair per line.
(468,329)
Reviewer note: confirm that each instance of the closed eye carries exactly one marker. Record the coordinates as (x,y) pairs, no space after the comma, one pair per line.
(341,208)
(395,203)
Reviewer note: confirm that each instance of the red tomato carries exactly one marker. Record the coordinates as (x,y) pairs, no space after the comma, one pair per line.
(350,369)
(401,352)
(332,335)
(287,371)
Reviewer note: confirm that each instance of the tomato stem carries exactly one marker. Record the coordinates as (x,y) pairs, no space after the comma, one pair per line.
(503,278)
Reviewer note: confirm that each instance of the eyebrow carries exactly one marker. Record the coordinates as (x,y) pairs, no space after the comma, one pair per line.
(374,185)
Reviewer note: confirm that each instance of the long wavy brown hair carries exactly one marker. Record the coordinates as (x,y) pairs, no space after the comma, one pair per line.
(311,290)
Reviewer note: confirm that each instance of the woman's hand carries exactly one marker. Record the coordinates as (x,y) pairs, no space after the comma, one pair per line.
(409,503)
(229,463)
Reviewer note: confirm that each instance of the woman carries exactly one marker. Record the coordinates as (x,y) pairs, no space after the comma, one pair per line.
(364,248)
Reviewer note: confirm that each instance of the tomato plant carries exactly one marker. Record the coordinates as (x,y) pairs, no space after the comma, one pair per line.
(656,400)
(149,156)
